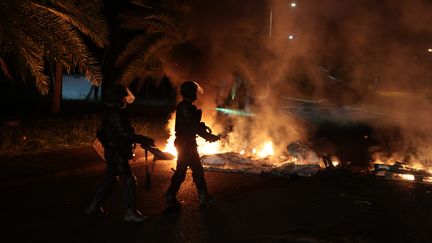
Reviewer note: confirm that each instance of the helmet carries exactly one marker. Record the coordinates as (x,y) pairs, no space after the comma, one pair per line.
(189,89)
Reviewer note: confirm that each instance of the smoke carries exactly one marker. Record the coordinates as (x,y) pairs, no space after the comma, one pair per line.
(379,52)
(360,53)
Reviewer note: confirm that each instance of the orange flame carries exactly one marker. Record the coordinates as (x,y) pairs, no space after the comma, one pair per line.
(206,148)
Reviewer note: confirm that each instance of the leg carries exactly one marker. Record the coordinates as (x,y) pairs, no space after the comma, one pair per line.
(199,179)
(129,181)
(178,177)
(105,188)
(198,172)
(176,181)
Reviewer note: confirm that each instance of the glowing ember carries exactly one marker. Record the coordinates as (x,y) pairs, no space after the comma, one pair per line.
(335,161)
(407,177)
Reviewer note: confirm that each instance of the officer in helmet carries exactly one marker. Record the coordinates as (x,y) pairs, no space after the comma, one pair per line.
(187,126)
(118,138)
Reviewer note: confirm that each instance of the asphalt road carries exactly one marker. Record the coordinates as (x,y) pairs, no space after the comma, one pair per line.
(249,208)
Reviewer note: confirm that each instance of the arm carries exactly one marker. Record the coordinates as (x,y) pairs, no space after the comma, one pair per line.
(188,121)
(125,132)
(206,133)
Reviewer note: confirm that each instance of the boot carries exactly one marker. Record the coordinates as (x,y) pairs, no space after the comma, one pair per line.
(205,199)
(95,210)
(132,215)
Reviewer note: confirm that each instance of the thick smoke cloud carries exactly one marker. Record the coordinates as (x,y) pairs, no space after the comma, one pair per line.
(361,53)
(379,52)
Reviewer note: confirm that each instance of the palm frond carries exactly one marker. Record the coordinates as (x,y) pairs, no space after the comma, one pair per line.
(144,60)
(36,65)
(139,68)
(33,30)
(144,23)
(142,47)
(142,4)
(63,42)
(80,17)
(143,55)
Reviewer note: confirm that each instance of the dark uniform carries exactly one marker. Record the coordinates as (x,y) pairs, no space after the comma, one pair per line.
(187,126)
(118,138)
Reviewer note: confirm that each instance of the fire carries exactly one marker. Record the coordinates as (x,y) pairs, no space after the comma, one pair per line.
(169,147)
(208,148)
(408,177)
(205,148)
(335,161)
(267,150)
(413,163)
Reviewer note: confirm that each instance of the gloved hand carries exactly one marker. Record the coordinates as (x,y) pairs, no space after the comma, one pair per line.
(212,138)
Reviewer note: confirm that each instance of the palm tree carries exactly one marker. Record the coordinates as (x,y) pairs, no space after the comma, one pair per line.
(157,32)
(35,32)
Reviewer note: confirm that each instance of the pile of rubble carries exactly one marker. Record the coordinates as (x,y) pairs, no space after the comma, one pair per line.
(299,160)
(402,171)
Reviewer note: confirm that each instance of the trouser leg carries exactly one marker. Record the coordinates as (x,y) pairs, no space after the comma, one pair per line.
(106,187)
(198,173)
(129,182)
(178,178)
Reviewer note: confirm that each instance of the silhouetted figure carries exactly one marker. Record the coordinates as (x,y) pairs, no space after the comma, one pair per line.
(187,126)
(118,138)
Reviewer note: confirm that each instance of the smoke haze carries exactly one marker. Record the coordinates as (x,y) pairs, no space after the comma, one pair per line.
(368,54)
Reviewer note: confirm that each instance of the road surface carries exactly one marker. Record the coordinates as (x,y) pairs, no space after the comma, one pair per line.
(249,208)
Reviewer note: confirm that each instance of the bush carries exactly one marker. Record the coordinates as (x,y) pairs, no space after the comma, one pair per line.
(42,135)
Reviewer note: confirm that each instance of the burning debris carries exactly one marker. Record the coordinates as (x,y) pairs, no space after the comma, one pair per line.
(401,171)
(298,159)
(235,162)
(302,153)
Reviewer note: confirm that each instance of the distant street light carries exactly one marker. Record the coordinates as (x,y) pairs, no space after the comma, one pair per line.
(293,5)
(430,50)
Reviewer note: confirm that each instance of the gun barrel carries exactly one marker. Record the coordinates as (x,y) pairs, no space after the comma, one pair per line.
(158,153)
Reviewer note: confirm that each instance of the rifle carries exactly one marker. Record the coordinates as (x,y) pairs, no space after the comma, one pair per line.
(158,154)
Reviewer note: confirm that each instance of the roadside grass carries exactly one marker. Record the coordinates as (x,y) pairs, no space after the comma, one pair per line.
(29,137)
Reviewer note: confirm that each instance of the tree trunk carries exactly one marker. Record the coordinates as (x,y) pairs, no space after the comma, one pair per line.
(57,89)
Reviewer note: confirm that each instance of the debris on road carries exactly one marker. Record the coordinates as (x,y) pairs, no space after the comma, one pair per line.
(401,171)
(235,162)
